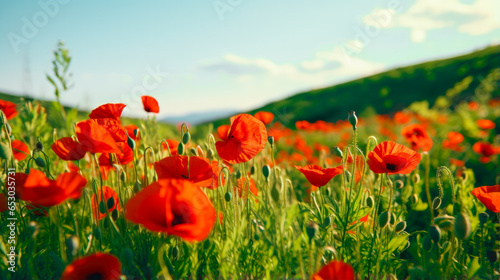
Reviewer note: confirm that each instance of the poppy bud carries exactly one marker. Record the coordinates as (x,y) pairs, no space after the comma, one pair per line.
(199,151)
(347,175)
(435,233)
(111,202)
(193,152)
(4,151)
(353,120)
(252,170)
(210,153)
(40,162)
(492,255)
(186,137)
(137,186)
(399,184)
(416,178)
(256,237)
(270,139)
(400,227)
(275,194)
(440,219)
(462,226)
(228,196)
(136,132)
(238,174)
(370,201)
(127,256)
(114,214)
(311,229)
(338,152)
(266,170)
(180,148)
(97,232)
(39,145)
(436,203)
(483,218)
(122,176)
(72,244)
(414,198)
(427,243)
(383,219)
(130,142)
(447,225)
(102,207)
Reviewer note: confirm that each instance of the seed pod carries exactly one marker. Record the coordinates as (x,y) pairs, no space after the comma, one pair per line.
(180,148)
(446,225)
(370,201)
(414,198)
(270,140)
(311,229)
(72,244)
(492,255)
(39,145)
(228,196)
(266,170)
(275,194)
(436,203)
(102,207)
(4,151)
(137,186)
(483,218)
(111,202)
(114,214)
(40,162)
(193,152)
(353,119)
(400,227)
(462,226)
(383,219)
(435,233)
(97,232)
(186,137)
(130,142)
(338,152)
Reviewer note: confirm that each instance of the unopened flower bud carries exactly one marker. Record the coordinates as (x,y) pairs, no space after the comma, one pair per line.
(483,217)
(311,230)
(102,207)
(338,152)
(383,219)
(275,194)
(40,162)
(111,202)
(39,145)
(72,244)
(228,196)
(193,152)
(353,119)
(186,137)
(136,132)
(400,227)
(137,186)
(435,233)
(270,139)
(370,201)
(266,170)
(130,142)
(463,228)
(180,148)
(436,203)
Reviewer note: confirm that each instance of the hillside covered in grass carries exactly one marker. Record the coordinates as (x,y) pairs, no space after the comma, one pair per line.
(389,91)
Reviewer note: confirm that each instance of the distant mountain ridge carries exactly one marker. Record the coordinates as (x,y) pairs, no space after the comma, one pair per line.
(200,117)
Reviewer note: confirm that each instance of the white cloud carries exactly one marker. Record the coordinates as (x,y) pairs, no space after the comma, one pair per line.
(477,18)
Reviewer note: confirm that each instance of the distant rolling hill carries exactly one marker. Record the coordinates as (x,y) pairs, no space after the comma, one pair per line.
(200,117)
(385,92)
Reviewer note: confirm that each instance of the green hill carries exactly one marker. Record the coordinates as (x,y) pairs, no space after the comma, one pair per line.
(386,92)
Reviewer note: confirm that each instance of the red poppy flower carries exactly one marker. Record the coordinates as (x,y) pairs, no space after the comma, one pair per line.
(318,176)
(107,193)
(41,191)
(485,149)
(172,145)
(72,167)
(216,171)
(95,138)
(489,196)
(3,203)
(114,128)
(109,110)
(453,141)
(457,162)
(473,105)
(265,117)
(176,167)
(20,150)
(335,270)
(97,266)
(8,108)
(125,156)
(223,131)
(416,135)
(68,149)
(241,187)
(485,124)
(174,206)
(402,118)
(130,131)
(150,104)
(393,158)
(246,138)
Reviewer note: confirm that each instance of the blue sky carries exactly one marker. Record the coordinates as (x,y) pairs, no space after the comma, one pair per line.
(207,55)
